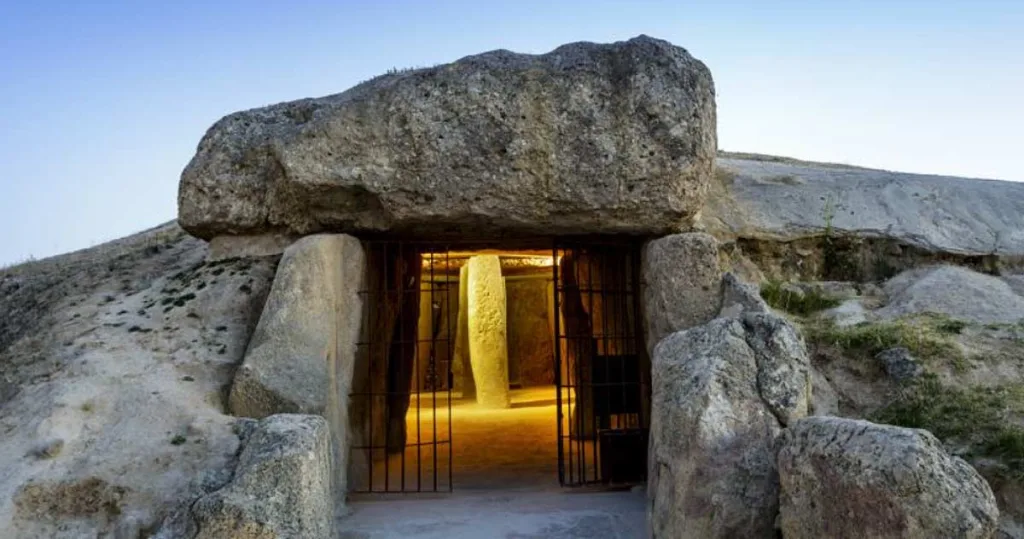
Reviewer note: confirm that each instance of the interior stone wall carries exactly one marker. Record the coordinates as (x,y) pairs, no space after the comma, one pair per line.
(530,333)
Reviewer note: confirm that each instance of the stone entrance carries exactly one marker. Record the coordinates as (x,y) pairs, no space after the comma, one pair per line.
(460,342)
(587,140)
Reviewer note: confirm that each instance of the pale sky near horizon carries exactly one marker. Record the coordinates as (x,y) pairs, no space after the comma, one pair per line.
(102,104)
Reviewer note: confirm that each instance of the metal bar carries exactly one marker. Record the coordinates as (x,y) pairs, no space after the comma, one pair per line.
(641,348)
(605,306)
(382,290)
(581,450)
(415,369)
(591,395)
(440,442)
(450,352)
(558,364)
(433,367)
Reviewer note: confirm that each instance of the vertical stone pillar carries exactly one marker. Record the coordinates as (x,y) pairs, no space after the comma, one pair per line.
(488,349)
(682,284)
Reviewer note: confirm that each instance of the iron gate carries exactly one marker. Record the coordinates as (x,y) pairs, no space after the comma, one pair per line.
(401,390)
(601,365)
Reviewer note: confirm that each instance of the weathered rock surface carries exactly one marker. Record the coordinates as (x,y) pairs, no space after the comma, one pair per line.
(739,297)
(281,487)
(589,138)
(851,478)
(954,291)
(722,393)
(682,283)
(899,364)
(848,313)
(119,357)
(310,321)
(778,198)
(824,399)
(488,345)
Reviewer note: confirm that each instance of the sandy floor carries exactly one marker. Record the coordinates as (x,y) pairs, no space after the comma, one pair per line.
(512,448)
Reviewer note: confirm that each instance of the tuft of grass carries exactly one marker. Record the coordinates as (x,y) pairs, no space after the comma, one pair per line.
(951,326)
(978,419)
(927,337)
(777,295)
(178,440)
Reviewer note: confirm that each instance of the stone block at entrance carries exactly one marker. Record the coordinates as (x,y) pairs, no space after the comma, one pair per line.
(301,356)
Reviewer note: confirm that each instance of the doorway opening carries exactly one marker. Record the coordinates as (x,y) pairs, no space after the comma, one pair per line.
(484,366)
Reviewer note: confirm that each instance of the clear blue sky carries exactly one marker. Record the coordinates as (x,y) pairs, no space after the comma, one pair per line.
(103,103)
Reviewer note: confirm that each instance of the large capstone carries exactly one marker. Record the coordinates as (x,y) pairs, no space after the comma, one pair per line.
(589,138)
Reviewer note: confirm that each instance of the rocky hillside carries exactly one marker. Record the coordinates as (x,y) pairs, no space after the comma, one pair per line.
(114,363)
(803,220)
(939,348)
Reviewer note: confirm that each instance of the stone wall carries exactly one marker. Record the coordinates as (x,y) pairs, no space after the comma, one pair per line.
(530,337)
(301,356)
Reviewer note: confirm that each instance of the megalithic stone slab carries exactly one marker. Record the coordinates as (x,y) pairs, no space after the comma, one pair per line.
(488,347)
(588,138)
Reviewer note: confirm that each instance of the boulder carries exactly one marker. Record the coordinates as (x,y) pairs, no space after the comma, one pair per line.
(899,364)
(954,291)
(739,297)
(722,393)
(281,486)
(589,138)
(682,283)
(852,478)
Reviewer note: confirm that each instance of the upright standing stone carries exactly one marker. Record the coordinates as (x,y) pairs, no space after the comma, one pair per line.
(682,284)
(488,349)
(302,354)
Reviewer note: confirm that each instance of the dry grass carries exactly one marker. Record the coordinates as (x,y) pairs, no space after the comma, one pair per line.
(776,294)
(928,337)
(981,421)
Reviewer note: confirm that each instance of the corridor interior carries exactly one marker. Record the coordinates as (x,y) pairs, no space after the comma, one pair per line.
(481,408)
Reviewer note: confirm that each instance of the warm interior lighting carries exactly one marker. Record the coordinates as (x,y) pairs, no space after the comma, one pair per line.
(508,259)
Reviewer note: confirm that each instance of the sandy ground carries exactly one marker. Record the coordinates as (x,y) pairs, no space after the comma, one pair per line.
(510,448)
